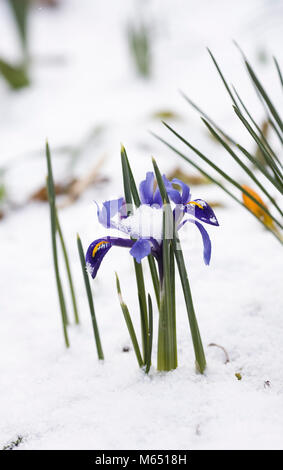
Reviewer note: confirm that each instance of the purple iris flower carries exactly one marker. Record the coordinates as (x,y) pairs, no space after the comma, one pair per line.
(196,207)
(142,244)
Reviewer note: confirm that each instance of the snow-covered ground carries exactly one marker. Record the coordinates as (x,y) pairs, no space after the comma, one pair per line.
(65,399)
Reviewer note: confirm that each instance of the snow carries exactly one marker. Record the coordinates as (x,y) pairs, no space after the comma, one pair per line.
(67,399)
(89,268)
(145,222)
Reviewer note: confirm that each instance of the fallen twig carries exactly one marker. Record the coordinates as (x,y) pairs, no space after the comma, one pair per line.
(80,185)
(223,349)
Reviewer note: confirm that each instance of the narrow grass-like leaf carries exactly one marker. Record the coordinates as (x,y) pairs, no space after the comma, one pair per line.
(242,165)
(262,136)
(222,77)
(133,186)
(228,88)
(173,296)
(221,172)
(229,138)
(51,199)
(268,155)
(52,202)
(231,95)
(126,180)
(90,300)
(56,269)
(269,117)
(144,329)
(199,353)
(278,70)
(261,168)
(265,152)
(197,343)
(160,183)
(264,95)
(167,341)
(151,261)
(272,166)
(276,130)
(129,323)
(68,269)
(143,305)
(155,280)
(258,88)
(213,180)
(170,340)
(150,334)
(209,119)
(137,202)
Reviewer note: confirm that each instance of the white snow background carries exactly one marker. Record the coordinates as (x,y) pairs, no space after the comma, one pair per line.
(82,77)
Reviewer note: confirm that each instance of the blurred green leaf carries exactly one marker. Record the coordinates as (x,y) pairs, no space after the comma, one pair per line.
(15,75)
(20,12)
(165,114)
(2,192)
(139,45)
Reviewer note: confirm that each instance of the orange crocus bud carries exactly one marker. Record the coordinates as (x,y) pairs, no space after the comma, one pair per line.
(254,208)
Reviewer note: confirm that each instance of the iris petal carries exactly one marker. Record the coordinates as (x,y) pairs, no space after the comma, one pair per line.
(109,209)
(140,249)
(95,254)
(123,210)
(157,199)
(146,189)
(98,249)
(206,241)
(205,238)
(185,190)
(174,194)
(203,213)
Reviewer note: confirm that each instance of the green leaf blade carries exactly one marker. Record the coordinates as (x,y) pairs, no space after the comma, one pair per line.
(90,300)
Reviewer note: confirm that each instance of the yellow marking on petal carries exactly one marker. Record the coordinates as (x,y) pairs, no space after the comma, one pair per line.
(196,204)
(254,208)
(97,247)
